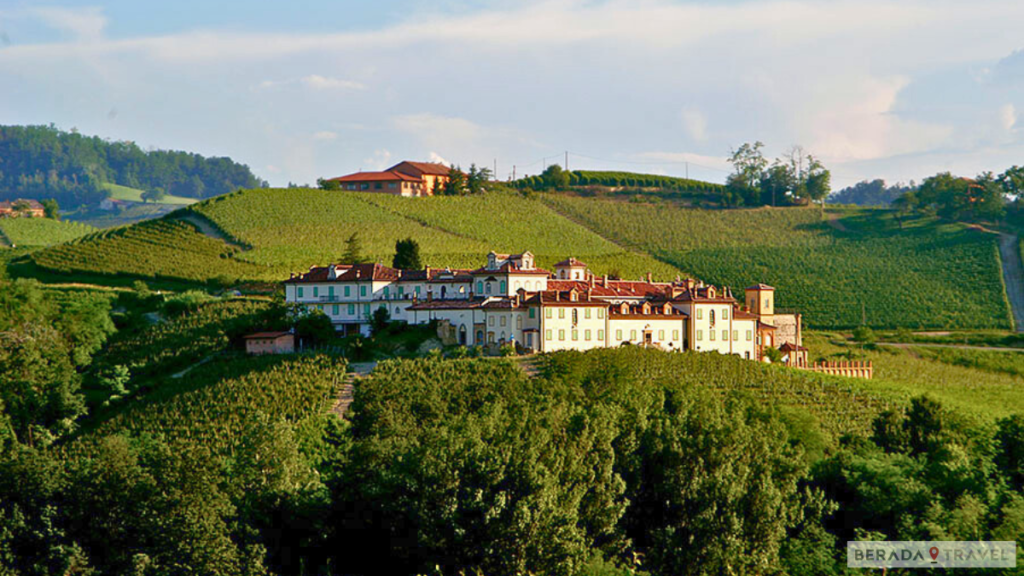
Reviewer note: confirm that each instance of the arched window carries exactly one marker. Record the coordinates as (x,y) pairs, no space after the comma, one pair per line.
(462,334)
(487,288)
(479,336)
(712,317)
(575,316)
(444,292)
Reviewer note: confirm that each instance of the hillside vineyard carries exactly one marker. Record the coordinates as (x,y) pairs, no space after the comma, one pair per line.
(510,301)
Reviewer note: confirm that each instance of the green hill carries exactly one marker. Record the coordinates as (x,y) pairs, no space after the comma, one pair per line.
(863,265)
(40,231)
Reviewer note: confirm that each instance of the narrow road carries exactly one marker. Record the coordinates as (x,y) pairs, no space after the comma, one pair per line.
(206,227)
(357,371)
(1009,253)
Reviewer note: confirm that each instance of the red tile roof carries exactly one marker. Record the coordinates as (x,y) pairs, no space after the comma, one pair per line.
(432,168)
(510,268)
(386,176)
(570,262)
(266,335)
(348,273)
(760,287)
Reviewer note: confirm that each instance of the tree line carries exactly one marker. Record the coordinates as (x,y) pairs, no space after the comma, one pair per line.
(797,177)
(46,162)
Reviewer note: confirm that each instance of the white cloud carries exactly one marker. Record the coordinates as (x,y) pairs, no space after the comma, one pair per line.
(317,82)
(435,157)
(380,160)
(325,135)
(1008,117)
(695,123)
(85,24)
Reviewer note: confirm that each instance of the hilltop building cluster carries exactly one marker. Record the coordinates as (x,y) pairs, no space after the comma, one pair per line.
(403,179)
(22,208)
(509,300)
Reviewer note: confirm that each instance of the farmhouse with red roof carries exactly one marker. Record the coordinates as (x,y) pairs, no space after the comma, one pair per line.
(403,179)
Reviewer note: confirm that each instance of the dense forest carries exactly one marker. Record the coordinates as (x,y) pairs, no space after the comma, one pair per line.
(45,162)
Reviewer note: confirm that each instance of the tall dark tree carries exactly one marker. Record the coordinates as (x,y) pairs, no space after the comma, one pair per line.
(407,255)
(353,250)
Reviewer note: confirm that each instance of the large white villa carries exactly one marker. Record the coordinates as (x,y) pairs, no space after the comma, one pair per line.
(511,301)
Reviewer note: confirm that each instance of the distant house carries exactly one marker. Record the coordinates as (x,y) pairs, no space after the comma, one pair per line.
(110,204)
(270,343)
(21,208)
(403,179)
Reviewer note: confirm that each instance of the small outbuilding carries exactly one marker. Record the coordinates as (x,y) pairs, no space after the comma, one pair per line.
(270,343)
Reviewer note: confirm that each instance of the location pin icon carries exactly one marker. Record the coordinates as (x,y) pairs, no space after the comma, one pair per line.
(934,551)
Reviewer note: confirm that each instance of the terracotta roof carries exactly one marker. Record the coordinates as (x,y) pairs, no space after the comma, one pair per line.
(570,262)
(763,326)
(562,298)
(436,275)
(446,305)
(789,347)
(28,203)
(759,287)
(432,168)
(581,286)
(266,335)
(385,176)
(743,315)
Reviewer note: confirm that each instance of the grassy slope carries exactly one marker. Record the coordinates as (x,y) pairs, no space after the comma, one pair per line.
(41,231)
(298,228)
(901,375)
(900,277)
(127,194)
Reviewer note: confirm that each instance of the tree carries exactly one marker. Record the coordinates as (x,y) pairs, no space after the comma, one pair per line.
(353,250)
(325,184)
(456,183)
(407,255)
(777,183)
(748,172)
(379,320)
(154,195)
(818,183)
(554,178)
(956,198)
(51,209)
(477,179)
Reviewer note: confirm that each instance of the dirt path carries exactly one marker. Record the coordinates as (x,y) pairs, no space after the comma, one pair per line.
(357,371)
(528,364)
(833,221)
(1013,276)
(206,227)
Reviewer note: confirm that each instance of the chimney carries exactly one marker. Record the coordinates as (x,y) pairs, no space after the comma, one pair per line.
(427,269)
(293,274)
(590,278)
(557,296)
(604,281)
(649,278)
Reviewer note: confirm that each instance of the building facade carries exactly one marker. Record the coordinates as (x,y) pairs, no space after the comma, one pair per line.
(403,179)
(509,300)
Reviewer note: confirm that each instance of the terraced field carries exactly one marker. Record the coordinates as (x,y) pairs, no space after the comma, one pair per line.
(40,231)
(872,271)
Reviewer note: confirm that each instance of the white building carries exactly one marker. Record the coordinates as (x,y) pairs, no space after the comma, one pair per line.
(511,301)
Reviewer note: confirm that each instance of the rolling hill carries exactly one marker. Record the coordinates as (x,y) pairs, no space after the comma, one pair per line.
(862,267)
(31,232)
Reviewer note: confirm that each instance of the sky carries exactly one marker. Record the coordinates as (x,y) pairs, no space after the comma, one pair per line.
(308,89)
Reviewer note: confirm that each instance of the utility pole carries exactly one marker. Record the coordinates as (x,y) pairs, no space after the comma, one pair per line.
(566,160)
(513,172)
(495,173)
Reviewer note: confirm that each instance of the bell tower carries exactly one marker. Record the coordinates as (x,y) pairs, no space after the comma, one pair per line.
(760,300)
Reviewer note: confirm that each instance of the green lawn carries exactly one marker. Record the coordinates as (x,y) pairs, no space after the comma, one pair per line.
(127,194)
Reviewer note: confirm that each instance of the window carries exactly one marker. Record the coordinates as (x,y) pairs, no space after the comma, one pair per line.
(561,334)
(600,335)
(561,313)
(487,287)
(547,312)
(316,291)
(725,314)
(351,309)
(618,335)
(586,313)
(401,291)
(502,289)
(575,316)
(600,312)
(661,334)
(700,334)
(632,334)
(533,312)
(575,335)
(711,317)
(479,287)
(366,310)
(300,292)
(503,320)
(725,335)
(547,334)
(417,291)
(334,310)
(586,335)
(711,335)
(675,334)
(362,290)
(519,322)
(735,335)
(386,291)
(700,314)
(348,290)
(490,321)
(330,292)
(749,335)
(767,303)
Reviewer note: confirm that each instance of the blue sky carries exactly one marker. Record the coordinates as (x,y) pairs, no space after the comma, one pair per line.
(896,90)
